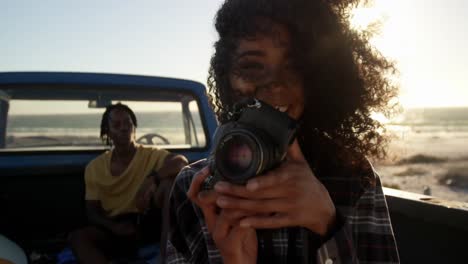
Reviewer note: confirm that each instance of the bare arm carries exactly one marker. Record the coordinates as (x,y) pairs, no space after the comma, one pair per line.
(159,183)
(173,164)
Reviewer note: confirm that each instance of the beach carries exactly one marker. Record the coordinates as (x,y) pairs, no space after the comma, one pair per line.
(429,156)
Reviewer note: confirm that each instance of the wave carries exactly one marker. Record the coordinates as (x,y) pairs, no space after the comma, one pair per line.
(457,116)
(421,158)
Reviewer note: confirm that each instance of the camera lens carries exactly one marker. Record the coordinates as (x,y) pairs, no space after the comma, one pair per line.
(238,156)
(253,141)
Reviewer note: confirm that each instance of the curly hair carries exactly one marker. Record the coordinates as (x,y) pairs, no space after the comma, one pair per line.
(105,120)
(345,78)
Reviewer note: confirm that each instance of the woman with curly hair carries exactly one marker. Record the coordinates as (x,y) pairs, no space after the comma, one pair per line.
(324,203)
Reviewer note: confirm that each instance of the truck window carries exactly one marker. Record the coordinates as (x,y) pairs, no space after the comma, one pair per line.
(73,124)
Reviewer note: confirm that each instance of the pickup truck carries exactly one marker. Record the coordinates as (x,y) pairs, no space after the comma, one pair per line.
(49,131)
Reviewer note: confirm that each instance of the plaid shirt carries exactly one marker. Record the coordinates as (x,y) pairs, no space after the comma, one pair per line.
(364,236)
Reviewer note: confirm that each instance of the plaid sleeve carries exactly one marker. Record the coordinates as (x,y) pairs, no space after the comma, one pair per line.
(186,243)
(366,235)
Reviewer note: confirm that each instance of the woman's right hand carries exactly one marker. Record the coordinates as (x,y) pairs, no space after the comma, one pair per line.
(236,244)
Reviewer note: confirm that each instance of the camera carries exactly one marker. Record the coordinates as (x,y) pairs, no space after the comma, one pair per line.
(253,141)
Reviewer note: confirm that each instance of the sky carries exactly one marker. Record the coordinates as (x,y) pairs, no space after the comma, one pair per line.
(428,40)
(175,39)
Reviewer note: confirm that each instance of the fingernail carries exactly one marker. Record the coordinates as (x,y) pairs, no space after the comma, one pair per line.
(221,202)
(244,224)
(221,186)
(201,195)
(252,185)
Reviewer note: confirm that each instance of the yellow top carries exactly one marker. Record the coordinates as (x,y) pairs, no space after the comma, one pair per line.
(117,193)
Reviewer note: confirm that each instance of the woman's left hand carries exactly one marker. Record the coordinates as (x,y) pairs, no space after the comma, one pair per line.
(289,195)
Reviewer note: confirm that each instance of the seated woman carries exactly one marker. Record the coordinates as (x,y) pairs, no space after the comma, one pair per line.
(123,187)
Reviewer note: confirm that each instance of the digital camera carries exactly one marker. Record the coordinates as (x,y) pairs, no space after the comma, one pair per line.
(254,140)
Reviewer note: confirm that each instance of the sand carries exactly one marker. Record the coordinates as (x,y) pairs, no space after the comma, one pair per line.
(428,163)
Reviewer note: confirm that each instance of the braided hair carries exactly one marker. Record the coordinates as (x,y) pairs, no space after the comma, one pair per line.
(106,118)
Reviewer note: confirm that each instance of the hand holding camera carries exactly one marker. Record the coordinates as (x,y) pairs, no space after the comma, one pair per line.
(260,180)
(237,244)
(289,195)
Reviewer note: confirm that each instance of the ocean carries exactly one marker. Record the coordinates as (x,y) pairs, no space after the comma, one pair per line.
(167,124)
(432,120)
(451,122)
(428,151)
(423,123)
(442,131)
